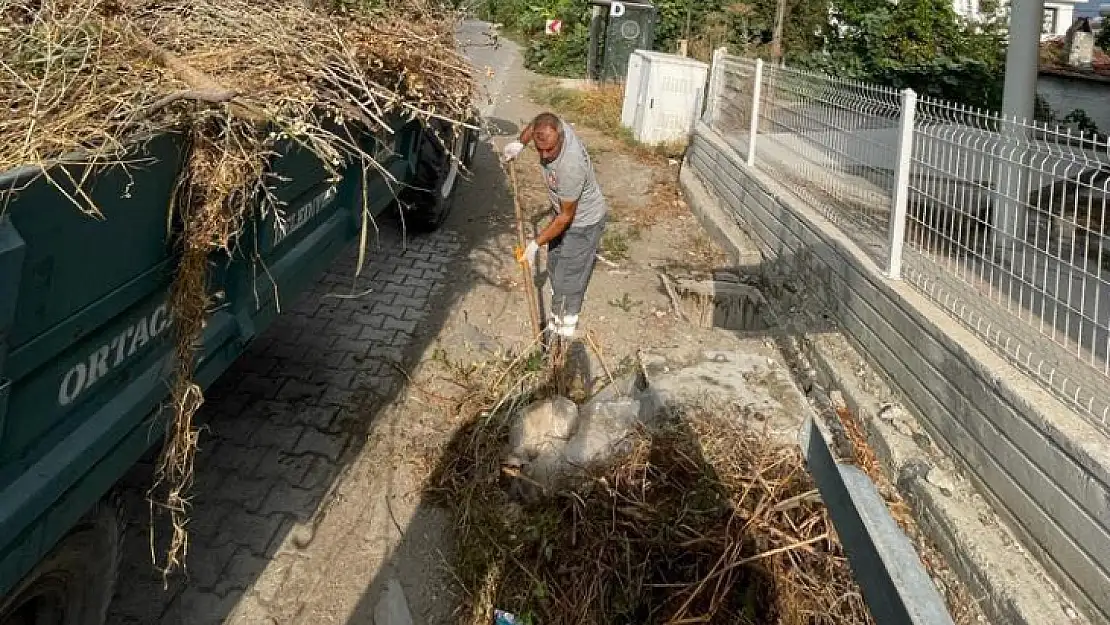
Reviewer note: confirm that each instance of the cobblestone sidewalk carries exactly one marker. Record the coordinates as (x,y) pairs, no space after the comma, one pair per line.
(281,425)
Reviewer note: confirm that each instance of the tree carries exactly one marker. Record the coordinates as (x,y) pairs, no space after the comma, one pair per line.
(920,44)
(561,55)
(672,16)
(740,24)
(1102,39)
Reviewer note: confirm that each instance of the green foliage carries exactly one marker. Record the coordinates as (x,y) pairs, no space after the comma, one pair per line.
(557,55)
(1080,120)
(740,25)
(714,22)
(804,27)
(920,44)
(501,11)
(671,18)
(1102,39)
(1042,112)
(561,55)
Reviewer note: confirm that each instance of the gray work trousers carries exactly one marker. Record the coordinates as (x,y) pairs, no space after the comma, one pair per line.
(570,263)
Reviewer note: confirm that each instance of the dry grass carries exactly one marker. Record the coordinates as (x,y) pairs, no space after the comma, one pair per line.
(86,81)
(703,521)
(86,78)
(600,109)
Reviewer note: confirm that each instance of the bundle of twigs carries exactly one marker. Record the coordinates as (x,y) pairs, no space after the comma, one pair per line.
(89,77)
(85,81)
(705,521)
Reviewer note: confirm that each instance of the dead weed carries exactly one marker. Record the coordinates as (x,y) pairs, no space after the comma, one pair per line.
(704,520)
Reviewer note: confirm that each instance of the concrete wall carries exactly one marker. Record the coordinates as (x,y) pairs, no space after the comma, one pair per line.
(1041,466)
(1065,94)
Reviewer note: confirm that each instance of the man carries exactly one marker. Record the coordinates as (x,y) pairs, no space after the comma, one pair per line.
(579,211)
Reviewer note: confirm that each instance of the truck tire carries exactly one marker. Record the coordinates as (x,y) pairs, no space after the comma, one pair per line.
(440,161)
(471,144)
(75,582)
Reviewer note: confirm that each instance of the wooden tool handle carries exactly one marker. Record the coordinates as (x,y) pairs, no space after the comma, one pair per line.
(529,287)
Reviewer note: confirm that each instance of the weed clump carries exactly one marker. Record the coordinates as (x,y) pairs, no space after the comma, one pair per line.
(704,520)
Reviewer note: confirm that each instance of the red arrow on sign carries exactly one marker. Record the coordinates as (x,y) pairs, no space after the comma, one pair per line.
(553,27)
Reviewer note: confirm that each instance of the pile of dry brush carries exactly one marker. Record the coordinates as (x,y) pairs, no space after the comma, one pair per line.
(704,521)
(87,81)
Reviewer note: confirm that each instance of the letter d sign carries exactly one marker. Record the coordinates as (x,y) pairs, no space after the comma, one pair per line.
(616,9)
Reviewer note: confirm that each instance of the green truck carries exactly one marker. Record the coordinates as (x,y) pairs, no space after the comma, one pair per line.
(84,345)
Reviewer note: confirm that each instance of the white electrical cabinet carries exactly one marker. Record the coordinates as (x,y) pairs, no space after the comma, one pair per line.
(663,96)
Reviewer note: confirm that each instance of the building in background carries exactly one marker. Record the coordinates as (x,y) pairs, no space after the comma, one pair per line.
(1073,82)
(1058,16)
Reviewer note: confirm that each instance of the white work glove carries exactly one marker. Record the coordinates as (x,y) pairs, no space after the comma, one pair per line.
(512,150)
(529,253)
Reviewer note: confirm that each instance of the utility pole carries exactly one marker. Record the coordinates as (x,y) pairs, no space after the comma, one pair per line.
(684,43)
(1011,179)
(776,35)
(689,14)
(594,51)
(1022,49)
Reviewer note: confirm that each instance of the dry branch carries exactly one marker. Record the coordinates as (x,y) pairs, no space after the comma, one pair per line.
(204,87)
(209,96)
(193,77)
(676,301)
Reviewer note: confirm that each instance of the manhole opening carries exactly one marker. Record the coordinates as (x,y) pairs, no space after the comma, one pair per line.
(723,303)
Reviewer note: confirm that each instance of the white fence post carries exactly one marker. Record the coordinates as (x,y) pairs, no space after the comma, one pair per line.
(901,185)
(753,129)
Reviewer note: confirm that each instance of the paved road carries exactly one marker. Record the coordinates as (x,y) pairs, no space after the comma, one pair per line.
(286,419)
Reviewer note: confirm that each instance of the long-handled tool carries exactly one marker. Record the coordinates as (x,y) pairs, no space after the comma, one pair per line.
(529,285)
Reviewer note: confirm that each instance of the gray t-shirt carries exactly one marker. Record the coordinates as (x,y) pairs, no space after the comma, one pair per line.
(571,177)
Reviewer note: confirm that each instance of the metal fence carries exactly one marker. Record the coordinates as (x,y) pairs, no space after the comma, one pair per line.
(1003,222)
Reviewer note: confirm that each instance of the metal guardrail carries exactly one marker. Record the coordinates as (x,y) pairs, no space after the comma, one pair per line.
(891,576)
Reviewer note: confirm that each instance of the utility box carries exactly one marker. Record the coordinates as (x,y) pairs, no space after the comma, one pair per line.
(663,95)
(618,28)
